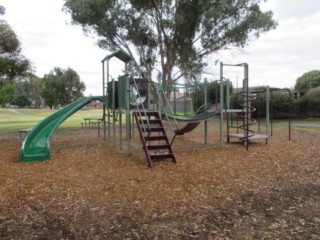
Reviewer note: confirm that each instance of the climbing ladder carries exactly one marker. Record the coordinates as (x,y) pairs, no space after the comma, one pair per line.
(154,138)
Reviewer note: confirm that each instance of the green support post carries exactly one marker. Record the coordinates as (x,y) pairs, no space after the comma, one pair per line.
(105,101)
(120,129)
(267,113)
(205,104)
(228,107)
(221,105)
(246,106)
(114,112)
(128,130)
(109,125)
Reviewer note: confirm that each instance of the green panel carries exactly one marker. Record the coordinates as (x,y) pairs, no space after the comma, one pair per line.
(109,93)
(36,146)
(122,90)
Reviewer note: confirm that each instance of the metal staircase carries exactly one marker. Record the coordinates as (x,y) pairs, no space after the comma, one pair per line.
(154,138)
(156,144)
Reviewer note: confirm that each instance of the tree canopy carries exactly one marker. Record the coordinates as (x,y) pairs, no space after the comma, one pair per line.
(308,80)
(173,35)
(12,62)
(61,87)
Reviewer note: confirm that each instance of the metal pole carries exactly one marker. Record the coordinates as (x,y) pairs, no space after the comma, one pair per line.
(120,129)
(205,104)
(174,100)
(158,89)
(228,107)
(132,128)
(290,112)
(259,111)
(271,115)
(247,116)
(148,94)
(114,111)
(221,105)
(109,126)
(267,113)
(104,94)
(128,130)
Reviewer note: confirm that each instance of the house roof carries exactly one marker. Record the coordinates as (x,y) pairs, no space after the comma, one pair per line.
(177,95)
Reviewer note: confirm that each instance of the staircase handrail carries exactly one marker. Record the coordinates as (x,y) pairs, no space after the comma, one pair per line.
(143,109)
(164,97)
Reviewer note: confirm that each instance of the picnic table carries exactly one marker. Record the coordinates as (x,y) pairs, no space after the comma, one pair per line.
(91,122)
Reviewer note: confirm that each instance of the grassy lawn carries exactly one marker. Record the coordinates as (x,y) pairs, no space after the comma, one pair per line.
(12,120)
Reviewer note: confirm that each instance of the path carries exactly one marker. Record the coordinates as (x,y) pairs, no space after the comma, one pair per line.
(18,113)
(306,124)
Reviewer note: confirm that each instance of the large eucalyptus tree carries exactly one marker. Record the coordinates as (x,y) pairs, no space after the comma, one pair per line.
(174,35)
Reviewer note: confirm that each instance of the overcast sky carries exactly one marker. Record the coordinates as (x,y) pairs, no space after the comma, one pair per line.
(276,59)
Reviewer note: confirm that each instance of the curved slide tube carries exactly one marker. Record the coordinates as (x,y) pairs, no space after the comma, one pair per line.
(196,118)
(187,128)
(36,146)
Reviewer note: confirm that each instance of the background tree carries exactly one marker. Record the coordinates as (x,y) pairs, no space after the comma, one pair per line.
(30,87)
(12,62)
(176,36)
(310,103)
(308,80)
(213,94)
(61,87)
(7,91)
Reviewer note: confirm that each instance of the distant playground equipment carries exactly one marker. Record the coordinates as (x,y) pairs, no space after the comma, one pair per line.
(131,97)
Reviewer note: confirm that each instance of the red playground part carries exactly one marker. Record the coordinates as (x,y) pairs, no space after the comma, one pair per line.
(187,128)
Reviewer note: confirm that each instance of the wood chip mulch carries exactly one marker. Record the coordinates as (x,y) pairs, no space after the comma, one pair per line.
(91,190)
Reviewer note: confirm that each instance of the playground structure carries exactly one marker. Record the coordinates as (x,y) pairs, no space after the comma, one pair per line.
(131,98)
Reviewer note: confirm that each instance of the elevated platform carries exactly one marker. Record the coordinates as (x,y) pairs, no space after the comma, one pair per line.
(256,136)
(253,137)
(233,110)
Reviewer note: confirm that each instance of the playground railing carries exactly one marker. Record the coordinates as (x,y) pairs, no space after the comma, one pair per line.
(163,102)
(140,108)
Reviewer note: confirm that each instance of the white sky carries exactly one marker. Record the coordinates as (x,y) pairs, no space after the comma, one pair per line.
(276,59)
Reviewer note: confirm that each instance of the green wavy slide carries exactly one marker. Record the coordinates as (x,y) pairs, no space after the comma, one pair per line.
(36,145)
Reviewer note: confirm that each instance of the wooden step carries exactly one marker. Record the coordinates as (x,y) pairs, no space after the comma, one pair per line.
(155,138)
(149,114)
(162,156)
(150,121)
(158,146)
(152,129)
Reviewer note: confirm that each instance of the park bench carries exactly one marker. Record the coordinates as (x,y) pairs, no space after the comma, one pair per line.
(23,132)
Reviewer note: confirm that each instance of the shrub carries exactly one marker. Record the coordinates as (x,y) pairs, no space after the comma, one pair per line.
(310,102)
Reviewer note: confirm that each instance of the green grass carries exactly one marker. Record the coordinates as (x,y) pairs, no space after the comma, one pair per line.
(12,121)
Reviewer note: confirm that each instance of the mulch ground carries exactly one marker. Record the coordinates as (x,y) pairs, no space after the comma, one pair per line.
(91,190)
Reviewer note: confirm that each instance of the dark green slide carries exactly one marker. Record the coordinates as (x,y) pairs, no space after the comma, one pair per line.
(36,146)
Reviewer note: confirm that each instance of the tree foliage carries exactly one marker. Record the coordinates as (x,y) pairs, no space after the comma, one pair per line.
(308,80)
(211,91)
(31,87)
(310,103)
(12,62)
(7,91)
(176,36)
(61,87)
